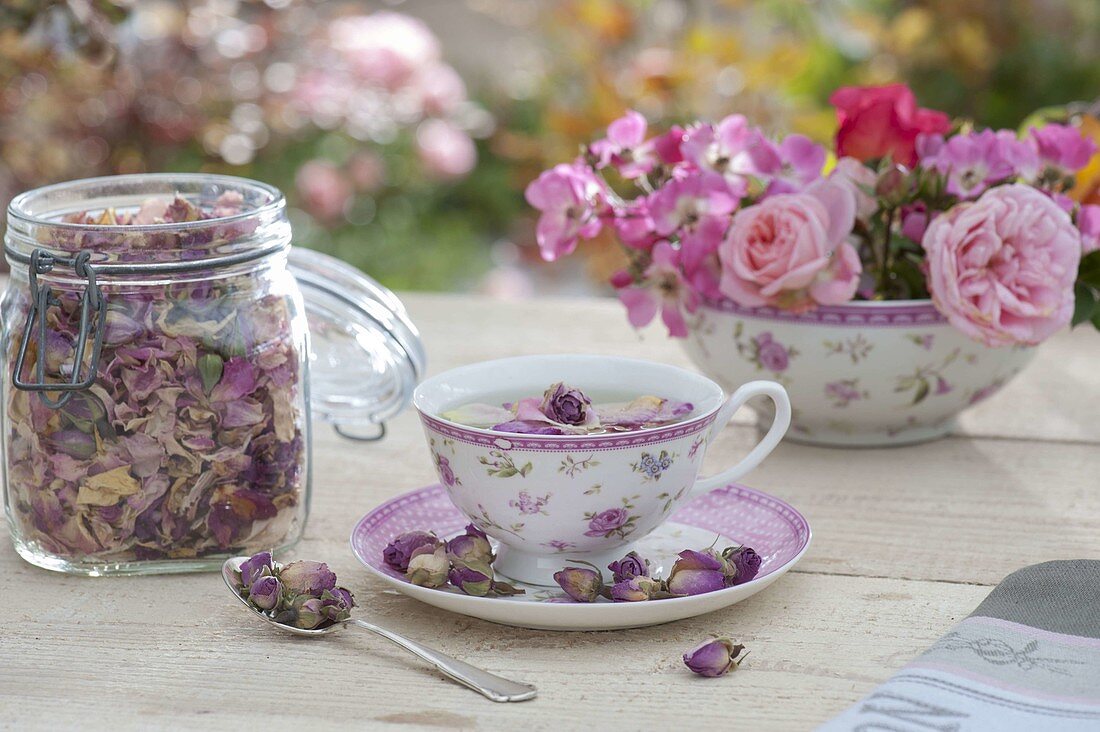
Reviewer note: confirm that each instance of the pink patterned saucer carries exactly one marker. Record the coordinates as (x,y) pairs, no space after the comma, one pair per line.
(736,514)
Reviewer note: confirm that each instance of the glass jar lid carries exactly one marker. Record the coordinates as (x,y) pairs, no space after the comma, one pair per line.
(366,356)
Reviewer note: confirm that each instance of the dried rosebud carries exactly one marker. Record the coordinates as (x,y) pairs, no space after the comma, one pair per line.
(255,567)
(309,612)
(336,604)
(264,592)
(429,569)
(635,589)
(748,564)
(565,404)
(473,546)
(582,585)
(695,573)
(629,567)
(306,577)
(473,578)
(399,551)
(714,657)
(210,367)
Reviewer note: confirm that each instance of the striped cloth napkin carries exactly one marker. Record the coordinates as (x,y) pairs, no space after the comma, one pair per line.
(1028,659)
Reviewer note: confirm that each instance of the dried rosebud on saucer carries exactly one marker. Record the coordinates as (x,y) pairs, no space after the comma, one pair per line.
(429,569)
(582,585)
(629,567)
(473,546)
(399,551)
(473,578)
(747,562)
(714,657)
(695,573)
(636,589)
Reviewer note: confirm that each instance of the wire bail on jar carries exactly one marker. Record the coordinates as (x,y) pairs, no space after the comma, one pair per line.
(42,297)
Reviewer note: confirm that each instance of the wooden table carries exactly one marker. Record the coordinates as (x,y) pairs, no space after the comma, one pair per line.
(907,542)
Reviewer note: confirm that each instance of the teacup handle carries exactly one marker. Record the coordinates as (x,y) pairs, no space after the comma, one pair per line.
(782,421)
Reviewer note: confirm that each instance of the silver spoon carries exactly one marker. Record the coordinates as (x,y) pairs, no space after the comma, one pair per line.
(489,685)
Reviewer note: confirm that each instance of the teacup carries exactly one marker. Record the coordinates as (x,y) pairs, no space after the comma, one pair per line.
(547,498)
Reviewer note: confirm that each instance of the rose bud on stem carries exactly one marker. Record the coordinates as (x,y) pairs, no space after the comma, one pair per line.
(714,657)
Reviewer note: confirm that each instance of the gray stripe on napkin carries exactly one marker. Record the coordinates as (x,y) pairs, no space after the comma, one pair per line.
(1061,597)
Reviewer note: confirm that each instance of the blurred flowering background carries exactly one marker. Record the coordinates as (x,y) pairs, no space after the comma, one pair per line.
(404,133)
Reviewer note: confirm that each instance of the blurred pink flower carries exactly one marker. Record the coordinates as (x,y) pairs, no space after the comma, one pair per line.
(733,148)
(664,290)
(634,225)
(1062,147)
(566,196)
(445,151)
(441,89)
(1002,268)
(625,146)
(367,171)
(974,161)
(323,189)
(860,180)
(696,208)
(1088,221)
(385,48)
(800,161)
(792,250)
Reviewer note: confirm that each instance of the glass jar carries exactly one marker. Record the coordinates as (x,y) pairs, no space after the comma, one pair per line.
(156,349)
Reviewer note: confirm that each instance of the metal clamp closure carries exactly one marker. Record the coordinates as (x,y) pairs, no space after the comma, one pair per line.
(42,297)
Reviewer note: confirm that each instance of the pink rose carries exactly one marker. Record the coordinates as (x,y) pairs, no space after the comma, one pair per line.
(792,251)
(1002,268)
(1088,221)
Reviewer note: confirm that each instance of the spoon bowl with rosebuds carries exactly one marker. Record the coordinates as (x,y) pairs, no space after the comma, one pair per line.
(275,593)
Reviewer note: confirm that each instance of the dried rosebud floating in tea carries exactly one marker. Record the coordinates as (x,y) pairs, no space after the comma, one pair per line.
(565,410)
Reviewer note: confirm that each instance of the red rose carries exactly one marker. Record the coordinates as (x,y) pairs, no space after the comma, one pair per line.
(876,121)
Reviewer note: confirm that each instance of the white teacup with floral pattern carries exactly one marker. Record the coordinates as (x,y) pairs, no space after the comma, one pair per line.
(546,498)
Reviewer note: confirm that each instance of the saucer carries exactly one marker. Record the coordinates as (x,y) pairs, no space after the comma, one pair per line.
(735,514)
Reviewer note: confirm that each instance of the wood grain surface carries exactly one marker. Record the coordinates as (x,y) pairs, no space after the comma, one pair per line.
(907,542)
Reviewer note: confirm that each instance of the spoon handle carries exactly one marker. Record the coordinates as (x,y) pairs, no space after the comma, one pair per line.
(489,685)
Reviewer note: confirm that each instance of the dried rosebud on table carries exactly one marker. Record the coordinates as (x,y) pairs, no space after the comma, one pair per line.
(303,593)
(714,657)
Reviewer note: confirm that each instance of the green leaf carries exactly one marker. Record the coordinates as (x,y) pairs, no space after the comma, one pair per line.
(922,391)
(1087,306)
(505,473)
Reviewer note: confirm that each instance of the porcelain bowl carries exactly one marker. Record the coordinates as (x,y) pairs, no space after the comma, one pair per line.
(860,374)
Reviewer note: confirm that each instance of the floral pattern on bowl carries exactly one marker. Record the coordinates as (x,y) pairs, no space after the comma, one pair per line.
(860,374)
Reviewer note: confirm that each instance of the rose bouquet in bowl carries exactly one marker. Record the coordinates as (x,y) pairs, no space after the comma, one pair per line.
(888,283)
